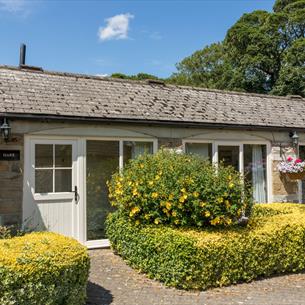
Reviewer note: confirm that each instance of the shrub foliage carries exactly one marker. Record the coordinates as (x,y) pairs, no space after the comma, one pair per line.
(178,189)
(272,243)
(43,268)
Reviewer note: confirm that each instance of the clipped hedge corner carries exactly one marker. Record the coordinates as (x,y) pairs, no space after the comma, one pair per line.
(272,243)
(43,268)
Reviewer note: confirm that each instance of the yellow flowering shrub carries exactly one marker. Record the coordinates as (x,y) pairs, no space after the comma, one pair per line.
(178,189)
(43,268)
(199,258)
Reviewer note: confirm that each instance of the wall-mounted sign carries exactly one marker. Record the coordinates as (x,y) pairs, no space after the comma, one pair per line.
(9,155)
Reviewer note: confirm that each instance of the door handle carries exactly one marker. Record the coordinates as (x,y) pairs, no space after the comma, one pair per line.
(75,194)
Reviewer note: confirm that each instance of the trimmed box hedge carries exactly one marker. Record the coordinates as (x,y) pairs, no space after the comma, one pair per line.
(272,243)
(43,268)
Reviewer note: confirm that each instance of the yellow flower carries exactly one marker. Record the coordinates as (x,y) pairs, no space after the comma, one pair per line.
(150,183)
(171,197)
(137,222)
(229,177)
(135,192)
(174,213)
(231,185)
(146,216)
(207,214)
(156,221)
(183,190)
(227,203)
(215,221)
(129,183)
(229,221)
(135,210)
(196,194)
(203,204)
(157,177)
(141,165)
(176,221)
(220,200)
(168,205)
(154,195)
(182,199)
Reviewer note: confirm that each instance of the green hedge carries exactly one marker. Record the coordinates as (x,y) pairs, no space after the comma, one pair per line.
(272,243)
(43,269)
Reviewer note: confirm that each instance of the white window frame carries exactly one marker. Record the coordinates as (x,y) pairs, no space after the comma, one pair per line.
(102,243)
(216,143)
(300,191)
(52,141)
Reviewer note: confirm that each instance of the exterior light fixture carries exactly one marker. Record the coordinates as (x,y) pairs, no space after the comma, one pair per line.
(295,139)
(5,130)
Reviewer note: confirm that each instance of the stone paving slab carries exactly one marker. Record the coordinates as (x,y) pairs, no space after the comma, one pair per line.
(112,282)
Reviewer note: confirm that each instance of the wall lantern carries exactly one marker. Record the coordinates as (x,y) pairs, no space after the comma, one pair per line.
(295,139)
(5,130)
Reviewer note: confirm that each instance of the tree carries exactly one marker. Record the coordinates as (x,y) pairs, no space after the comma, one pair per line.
(207,67)
(139,76)
(262,52)
(292,75)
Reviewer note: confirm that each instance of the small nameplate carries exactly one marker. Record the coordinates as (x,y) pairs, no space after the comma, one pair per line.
(9,155)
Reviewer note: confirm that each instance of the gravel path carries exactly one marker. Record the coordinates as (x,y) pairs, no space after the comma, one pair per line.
(113,282)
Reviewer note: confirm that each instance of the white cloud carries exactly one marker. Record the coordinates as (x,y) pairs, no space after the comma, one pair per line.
(12,6)
(116,27)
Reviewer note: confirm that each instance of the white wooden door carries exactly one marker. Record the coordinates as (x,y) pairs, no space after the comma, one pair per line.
(51,201)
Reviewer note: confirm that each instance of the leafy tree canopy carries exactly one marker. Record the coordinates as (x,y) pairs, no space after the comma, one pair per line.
(262,52)
(139,76)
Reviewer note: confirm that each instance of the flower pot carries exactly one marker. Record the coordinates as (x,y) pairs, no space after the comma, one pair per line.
(296,176)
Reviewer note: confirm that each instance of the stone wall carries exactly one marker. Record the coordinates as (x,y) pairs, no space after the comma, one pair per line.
(284,189)
(11,183)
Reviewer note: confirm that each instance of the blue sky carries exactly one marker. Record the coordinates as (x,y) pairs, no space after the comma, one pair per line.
(103,37)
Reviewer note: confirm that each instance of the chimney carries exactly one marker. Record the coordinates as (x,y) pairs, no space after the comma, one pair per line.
(22,55)
(22,64)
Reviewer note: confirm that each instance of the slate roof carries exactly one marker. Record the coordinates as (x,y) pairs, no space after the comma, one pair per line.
(25,92)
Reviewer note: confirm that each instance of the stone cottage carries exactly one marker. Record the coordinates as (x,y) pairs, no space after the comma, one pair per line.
(63,135)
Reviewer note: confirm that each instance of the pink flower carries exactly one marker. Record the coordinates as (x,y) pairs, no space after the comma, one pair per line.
(289,159)
(298,160)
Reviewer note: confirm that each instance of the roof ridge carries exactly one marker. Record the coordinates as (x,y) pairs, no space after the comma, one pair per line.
(143,82)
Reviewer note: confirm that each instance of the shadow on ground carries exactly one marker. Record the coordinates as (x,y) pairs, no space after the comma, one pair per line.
(97,295)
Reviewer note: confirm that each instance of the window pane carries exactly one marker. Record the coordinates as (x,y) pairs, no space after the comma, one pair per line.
(63,155)
(229,155)
(63,180)
(132,149)
(102,161)
(201,149)
(43,155)
(255,170)
(43,181)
